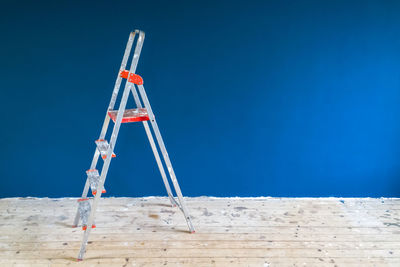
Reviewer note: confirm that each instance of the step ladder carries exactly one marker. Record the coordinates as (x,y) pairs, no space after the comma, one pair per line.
(86,211)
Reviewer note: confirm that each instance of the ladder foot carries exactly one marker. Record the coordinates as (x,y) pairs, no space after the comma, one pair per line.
(78,259)
(74,226)
(192,232)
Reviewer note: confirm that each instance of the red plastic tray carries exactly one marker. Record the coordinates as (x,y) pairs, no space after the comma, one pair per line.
(131,115)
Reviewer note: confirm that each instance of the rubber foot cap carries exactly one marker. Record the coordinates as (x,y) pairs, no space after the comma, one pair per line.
(192,232)
(78,259)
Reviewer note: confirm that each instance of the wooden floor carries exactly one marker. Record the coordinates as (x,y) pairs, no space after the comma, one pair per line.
(229,232)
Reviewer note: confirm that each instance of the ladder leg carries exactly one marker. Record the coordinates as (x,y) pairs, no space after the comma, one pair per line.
(84,242)
(104,170)
(135,59)
(159,163)
(155,151)
(107,118)
(113,141)
(165,156)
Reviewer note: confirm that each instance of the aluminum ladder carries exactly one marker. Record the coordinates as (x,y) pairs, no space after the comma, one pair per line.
(86,210)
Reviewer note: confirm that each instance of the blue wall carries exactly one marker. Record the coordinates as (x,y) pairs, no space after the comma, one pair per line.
(269,98)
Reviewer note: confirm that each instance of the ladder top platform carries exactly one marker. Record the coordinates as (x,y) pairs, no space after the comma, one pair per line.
(131,115)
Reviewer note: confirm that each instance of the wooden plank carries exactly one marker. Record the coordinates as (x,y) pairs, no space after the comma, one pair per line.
(206,262)
(204,237)
(204,252)
(271,203)
(200,244)
(287,211)
(206,229)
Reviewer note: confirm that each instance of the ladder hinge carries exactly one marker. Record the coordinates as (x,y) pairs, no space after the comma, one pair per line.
(133,78)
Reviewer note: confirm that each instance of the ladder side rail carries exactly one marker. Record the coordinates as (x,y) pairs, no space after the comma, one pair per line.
(122,68)
(165,156)
(155,151)
(106,165)
(104,170)
(138,50)
(107,118)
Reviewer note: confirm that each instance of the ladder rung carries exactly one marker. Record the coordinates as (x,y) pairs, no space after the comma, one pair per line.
(130,115)
(84,209)
(94,178)
(102,146)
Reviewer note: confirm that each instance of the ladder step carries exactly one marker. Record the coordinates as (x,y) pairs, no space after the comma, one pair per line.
(130,115)
(102,146)
(84,209)
(94,178)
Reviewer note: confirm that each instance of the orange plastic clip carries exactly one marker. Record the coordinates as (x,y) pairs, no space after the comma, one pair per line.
(132,77)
